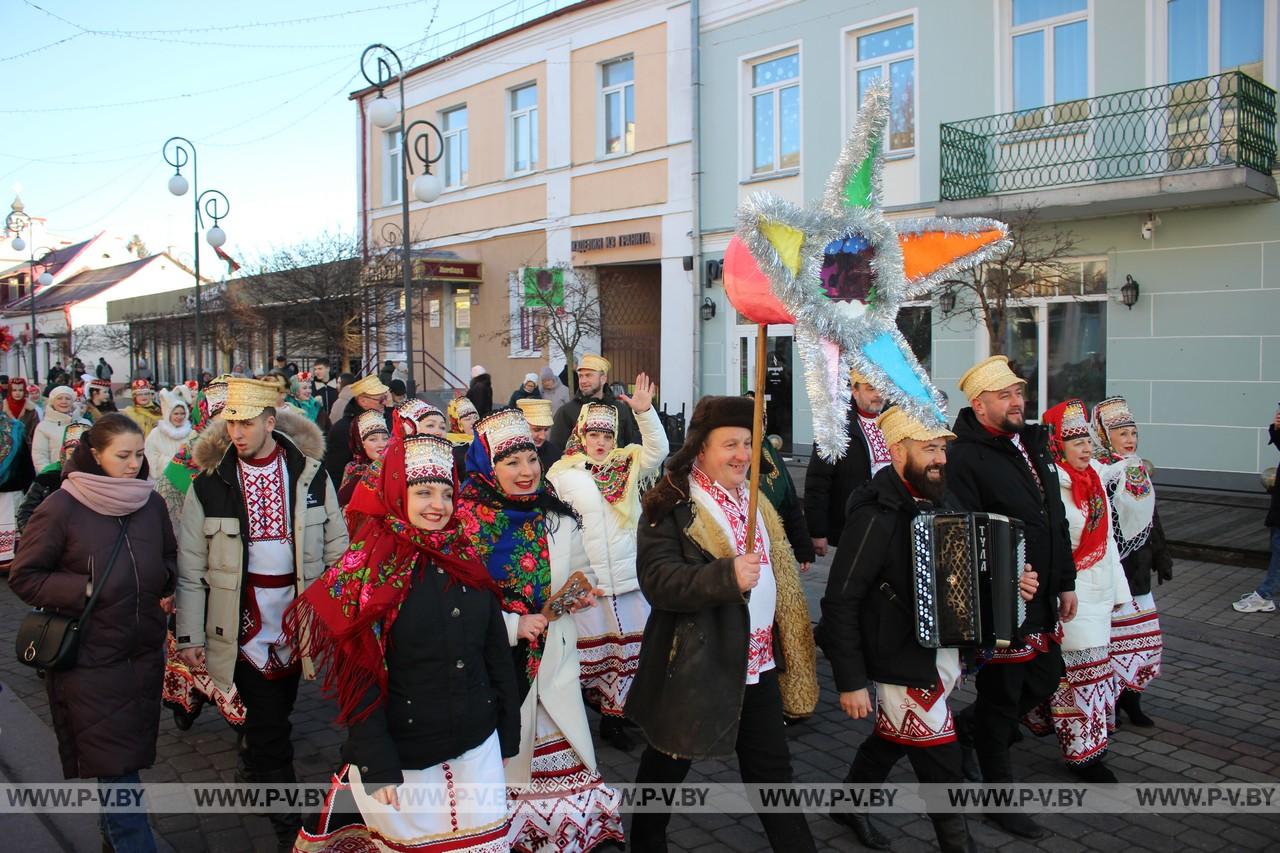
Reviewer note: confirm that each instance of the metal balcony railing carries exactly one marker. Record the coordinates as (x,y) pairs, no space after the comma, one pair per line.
(1224,120)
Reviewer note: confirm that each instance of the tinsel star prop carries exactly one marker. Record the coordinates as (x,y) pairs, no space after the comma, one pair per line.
(839,271)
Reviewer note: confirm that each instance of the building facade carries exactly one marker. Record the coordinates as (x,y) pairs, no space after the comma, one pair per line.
(567,151)
(1145,130)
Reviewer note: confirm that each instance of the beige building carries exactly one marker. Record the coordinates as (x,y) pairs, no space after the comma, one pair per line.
(566,145)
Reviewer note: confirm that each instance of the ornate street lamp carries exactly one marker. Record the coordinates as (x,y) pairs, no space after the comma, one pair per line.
(1129,292)
(15,223)
(178,151)
(426,187)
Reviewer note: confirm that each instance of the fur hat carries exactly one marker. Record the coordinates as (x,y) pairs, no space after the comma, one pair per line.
(169,399)
(709,414)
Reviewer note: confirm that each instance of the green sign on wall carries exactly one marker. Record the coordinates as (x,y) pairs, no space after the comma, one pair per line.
(543,288)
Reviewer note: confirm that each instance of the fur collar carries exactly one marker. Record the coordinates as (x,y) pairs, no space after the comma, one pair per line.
(212,443)
(177,433)
(710,537)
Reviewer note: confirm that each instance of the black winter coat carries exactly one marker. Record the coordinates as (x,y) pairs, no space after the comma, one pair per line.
(480,393)
(44,485)
(1273,515)
(451,683)
(567,418)
(106,709)
(986,473)
(337,445)
(866,634)
(1152,557)
(828,486)
(521,394)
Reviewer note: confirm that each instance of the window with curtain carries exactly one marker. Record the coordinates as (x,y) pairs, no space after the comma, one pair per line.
(889,52)
(774,104)
(391,168)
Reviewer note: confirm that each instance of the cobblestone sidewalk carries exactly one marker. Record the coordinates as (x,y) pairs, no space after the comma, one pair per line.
(1217,706)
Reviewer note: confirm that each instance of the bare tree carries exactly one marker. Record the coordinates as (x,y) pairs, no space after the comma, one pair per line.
(556,307)
(312,291)
(1037,263)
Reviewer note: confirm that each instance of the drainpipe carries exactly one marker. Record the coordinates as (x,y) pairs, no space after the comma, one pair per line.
(695,75)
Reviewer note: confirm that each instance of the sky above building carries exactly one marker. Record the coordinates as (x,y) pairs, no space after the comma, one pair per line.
(94,90)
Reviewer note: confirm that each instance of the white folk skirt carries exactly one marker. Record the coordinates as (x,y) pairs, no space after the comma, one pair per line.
(1137,644)
(475,820)
(565,805)
(609,636)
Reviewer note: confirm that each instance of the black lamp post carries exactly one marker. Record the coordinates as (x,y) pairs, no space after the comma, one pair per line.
(15,223)
(178,151)
(426,187)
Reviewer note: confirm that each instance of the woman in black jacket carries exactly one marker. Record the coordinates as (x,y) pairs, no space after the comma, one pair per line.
(106,708)
(416,653)
(49,479)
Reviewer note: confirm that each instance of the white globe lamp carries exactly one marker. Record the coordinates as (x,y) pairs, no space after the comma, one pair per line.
(382,112)
(427,187)
(18,244)
(44,279)
(216,237)
(178,185)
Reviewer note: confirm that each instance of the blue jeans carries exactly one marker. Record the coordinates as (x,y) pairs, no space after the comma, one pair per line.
(126,832)
(1272,581)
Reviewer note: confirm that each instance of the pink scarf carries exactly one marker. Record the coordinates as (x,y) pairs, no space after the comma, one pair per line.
(112,496)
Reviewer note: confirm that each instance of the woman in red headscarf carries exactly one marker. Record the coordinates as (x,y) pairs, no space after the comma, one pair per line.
(409,634)
(1082,711)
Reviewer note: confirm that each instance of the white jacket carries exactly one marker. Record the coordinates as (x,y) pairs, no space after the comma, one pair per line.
(1100,587)
(610,547)
(46,444)
(163,444)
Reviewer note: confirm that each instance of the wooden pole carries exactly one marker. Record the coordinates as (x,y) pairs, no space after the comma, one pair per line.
(757,433)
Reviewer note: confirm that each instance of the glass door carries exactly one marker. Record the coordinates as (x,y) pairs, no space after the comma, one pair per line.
(459,347)
(779,373)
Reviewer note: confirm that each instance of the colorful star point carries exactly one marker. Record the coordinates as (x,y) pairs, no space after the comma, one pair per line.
(840,271)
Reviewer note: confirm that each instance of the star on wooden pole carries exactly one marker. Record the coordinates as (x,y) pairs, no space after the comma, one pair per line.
(839,271)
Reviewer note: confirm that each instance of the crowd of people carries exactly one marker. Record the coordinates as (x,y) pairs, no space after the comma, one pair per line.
(467,583)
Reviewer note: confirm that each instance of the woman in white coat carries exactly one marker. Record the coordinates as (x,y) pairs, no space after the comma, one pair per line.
(1081,712)
(59,412)
(171,432)
(603,483)
(530,541)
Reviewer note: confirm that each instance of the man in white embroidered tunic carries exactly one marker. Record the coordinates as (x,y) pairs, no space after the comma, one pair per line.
(257,527)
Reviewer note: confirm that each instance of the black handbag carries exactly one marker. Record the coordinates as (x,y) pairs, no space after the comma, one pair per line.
(49,640)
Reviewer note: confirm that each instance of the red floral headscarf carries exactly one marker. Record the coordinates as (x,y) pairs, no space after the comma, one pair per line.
(1066,421)
(344,619)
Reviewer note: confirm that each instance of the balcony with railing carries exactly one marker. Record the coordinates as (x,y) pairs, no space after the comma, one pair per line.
(1200,143)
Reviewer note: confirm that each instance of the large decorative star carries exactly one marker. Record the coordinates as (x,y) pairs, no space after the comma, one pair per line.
(839,271)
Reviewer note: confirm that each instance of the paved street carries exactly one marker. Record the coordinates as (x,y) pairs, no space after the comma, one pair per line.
(1217,704)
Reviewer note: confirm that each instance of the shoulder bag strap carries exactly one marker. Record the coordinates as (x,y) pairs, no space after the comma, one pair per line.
(98,584)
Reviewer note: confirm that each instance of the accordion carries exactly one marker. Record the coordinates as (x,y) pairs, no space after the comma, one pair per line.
(966,567)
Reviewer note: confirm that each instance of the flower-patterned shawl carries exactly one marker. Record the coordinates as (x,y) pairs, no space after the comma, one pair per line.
(510,536)
(1133,495)
(344,619)
(614,476)
(1086,486)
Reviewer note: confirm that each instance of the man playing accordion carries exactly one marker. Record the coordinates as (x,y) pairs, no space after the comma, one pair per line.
(868,628)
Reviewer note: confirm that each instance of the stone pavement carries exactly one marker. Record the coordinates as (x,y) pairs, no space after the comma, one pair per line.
(1217,705)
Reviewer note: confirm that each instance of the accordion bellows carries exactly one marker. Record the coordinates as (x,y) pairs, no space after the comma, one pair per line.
(966,569)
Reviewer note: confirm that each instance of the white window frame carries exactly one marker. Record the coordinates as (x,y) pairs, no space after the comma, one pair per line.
(463,139)
(1009,32)
(1041,305)
(866,28)
(746,138)
(513,114)
(621,90)
(392,166)
(1159,71)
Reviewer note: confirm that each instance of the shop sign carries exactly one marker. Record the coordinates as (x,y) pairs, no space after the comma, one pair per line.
(468,271)
(613,241)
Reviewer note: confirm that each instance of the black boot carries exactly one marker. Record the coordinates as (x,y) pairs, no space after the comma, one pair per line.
(184,719)
(996,768)
(1131,703)
(1095,772)
(869,835)
(285,824)
(614,733)
(969,766)
(953,833)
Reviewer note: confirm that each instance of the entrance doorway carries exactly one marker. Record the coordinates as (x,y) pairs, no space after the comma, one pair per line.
(631,320)
(779,372)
